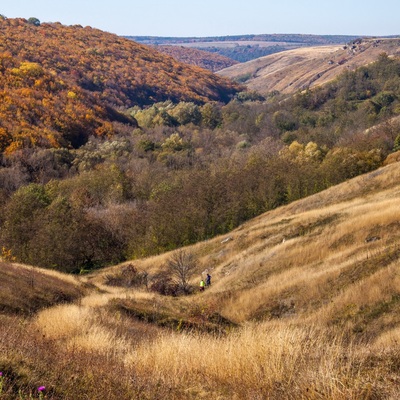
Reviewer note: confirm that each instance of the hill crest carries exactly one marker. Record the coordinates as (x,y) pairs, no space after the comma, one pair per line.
(302,68)
(243,48)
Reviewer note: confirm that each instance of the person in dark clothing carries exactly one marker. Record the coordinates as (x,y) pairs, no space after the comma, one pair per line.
(208,280)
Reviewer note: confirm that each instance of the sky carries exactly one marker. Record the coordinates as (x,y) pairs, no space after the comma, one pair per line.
(216,17)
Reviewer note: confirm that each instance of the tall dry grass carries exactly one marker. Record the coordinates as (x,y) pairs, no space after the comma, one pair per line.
(91,326)
(77,327)
(327,301)
(63,321)
(305,266)
(268,360)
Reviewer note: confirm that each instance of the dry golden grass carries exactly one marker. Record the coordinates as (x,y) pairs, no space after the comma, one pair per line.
(387,340)
(68,279)
(99,340)
(269,360)
(63,321)
(25,289)
(101,299)
(313,287)
(293,70)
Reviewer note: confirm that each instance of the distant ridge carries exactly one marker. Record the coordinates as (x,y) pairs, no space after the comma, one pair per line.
(293,38)
(243,48)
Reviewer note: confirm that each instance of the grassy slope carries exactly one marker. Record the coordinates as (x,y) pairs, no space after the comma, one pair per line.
(319,275)
(292,70)
(298,259)
(25,290)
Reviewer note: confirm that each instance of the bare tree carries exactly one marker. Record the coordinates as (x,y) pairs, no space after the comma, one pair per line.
(182,266)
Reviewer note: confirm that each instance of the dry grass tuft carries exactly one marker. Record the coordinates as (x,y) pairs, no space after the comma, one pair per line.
(63,321)
(259,361)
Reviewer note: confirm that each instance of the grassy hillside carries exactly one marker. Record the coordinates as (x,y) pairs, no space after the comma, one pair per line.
(24,290)
(302,68)
(306,298)
(60,84)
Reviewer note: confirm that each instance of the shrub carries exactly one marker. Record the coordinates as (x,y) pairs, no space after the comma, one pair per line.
(397,143)
(163,284)
(129,276)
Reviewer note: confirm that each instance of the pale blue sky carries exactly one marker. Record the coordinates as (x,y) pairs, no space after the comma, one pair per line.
(216,17)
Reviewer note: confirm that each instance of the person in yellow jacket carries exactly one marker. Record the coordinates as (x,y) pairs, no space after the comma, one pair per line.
(202,285)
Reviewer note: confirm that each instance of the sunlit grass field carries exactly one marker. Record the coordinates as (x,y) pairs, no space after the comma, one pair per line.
(304,304)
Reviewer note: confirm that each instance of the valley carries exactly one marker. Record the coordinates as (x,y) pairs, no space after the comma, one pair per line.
(128,175)
(309,290)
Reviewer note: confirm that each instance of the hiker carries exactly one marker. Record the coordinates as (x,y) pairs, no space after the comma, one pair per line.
(202,284)
(208,280)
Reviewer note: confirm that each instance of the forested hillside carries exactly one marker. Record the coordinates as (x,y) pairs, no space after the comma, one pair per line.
(190,172)
(204,59)
(61,84)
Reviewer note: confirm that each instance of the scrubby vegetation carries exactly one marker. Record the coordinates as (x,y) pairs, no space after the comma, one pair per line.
(190,172)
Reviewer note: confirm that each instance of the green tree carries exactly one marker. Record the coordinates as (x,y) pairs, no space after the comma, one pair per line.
(34,21)
(186,113)
(211,116)
(396,146)
(56,243)
(22,214)
(284,121)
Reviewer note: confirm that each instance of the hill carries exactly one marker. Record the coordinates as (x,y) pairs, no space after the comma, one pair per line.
(306,300)
(193,172)
(26,290)
(243,48)
(302,257)
(60,84)
(203,59)
(298,69)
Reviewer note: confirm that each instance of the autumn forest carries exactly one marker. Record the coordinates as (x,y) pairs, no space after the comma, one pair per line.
(111,150)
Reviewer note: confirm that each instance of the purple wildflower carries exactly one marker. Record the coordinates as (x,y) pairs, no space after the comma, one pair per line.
(1,374)
(41,388)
